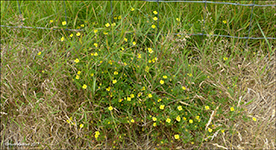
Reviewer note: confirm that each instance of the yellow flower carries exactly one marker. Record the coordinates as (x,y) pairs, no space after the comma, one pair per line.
(51,21)
(134,43)
(108,89)
(132,95)
(224,21)
(132,120)
(168,120)
(150,50)
(95,54)
(125,39)
(254,119)
(113,24)
(222,131)
(79,72)
(68,121)
(78,34)
(64,23)
(179,108)
(225,58)
(115,73)
(165,77)
(147,69)
(95,31)
(154,124)
(162,107)
(153,26)
(39,53)
(155,12)
(82,25)
(149,95)
(95,44)
(183,88)
(191,121)
(143,89)
(232,109)
(110,108)
(155,18)
(119,17)
(128,99)
(107,25)
(71,35)
(114,81)
(176,136)
(132,9)
(210,130)
(77,77)
(154,118)
(81,125)
(77,60)
(207,107)
(92,74)
(161,81)
(184,118)
(62,39)
(84,86)
(178,118)
(139,56)
(177,19)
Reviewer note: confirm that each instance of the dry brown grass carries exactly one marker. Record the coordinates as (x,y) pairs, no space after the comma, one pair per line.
(35,106)
(256,84)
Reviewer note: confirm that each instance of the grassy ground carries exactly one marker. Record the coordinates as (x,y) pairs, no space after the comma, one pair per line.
(120,84)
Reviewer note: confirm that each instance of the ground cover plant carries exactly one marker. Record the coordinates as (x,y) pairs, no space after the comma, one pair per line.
(127,81)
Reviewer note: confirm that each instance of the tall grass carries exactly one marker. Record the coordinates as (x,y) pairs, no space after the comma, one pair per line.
(121,84)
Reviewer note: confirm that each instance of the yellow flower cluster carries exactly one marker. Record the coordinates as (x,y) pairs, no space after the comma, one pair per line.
(97,133)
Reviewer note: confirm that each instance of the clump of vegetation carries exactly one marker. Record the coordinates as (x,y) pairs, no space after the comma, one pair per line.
(125,80)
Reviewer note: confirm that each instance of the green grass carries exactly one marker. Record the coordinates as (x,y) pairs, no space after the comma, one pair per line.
(135,89)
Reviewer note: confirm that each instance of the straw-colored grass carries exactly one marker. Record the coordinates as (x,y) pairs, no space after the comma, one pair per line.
(225,88)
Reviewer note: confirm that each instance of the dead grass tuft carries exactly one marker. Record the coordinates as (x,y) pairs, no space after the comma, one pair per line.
(255,93)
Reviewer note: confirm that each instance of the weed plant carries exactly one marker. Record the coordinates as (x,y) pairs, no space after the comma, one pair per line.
(126,82)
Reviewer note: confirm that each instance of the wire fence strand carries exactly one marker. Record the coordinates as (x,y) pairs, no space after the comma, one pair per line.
(205,2)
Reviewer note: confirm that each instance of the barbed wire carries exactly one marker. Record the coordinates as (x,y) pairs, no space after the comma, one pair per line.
(158,28)
(43,28)
(210,2)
